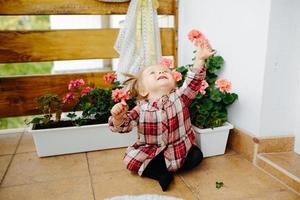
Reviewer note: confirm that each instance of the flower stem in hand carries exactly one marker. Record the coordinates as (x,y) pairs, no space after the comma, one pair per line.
(203,52)
(118,112)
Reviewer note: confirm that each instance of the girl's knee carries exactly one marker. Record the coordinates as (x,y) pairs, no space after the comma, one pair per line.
(197,152)
(196,155)
(200,154)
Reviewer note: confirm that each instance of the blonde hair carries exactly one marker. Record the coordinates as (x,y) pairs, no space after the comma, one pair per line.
(134,83)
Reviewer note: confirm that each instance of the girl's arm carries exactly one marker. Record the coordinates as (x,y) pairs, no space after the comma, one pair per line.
(123,124)
(192,84)
(194,77)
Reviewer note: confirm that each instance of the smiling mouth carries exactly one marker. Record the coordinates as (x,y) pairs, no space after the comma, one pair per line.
(162,77)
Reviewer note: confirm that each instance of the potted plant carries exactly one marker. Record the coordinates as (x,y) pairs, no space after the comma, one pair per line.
(208,110)
(83,129)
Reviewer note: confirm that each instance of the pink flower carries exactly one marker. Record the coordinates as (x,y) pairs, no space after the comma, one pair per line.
(194,34)
(68,97)
(110,77)
(197,38)
(75,83)
(176,75)
(86,90)
(203,86)
(119,95)
(166,62)
(223,85)
(201,42)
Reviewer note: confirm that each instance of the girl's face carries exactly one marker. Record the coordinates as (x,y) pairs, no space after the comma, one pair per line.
(157,77)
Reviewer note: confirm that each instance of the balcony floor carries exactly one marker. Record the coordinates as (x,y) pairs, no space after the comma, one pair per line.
(101,174)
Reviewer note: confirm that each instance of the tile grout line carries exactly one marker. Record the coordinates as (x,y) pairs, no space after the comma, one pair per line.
(188,187)
(12,131)
(12,157)
(90,175)
(38,182)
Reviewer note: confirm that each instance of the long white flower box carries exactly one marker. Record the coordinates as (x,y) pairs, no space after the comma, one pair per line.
(57,141)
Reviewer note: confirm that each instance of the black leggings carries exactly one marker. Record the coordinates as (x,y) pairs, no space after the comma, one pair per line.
(157,165)
(194,158)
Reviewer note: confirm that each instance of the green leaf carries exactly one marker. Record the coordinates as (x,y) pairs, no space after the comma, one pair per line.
(218,61)
(203,113)
(218,118)
(71,115)
(219,184)
(216,95)
(46,120)
(214,63)
(229,98)
(218,106)
(116,84)
(211,78)
(207,104)
(36,120)
(235,96)
(183,70)
(93,110)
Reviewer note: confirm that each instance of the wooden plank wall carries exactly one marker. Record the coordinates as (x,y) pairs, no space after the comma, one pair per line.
(17,93)
(32,46)
(79,7)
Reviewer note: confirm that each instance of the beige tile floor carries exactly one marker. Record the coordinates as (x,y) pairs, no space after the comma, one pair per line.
(101,174)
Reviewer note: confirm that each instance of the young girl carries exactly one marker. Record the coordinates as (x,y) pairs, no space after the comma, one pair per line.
(166,139)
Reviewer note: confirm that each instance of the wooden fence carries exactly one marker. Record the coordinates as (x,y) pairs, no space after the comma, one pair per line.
(18,92)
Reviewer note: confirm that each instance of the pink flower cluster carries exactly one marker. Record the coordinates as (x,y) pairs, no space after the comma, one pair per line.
(197,38)
(223,85)
(76,85)
(119,95)
(110,77)
(68,97)
(203,86)
(166,62)
(176,75)
(86,90)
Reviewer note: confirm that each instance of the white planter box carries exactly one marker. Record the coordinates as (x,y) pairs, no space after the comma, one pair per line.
(213,142)
(66,140)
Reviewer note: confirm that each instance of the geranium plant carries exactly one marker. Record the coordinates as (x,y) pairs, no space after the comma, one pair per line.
(209,108)
(93,104)
(96,103)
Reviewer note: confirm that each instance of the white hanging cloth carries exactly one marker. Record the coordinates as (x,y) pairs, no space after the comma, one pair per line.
(138,42)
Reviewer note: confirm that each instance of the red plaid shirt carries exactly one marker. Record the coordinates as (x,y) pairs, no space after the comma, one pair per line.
(163,125)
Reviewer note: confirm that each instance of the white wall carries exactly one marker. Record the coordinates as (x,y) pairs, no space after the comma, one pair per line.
(260,42)
(297,127)
(297,116)
(238,30)
(278,111)
(294,61)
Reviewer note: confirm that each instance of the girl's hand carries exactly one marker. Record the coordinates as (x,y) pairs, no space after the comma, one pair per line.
(203,52)
(118,112)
